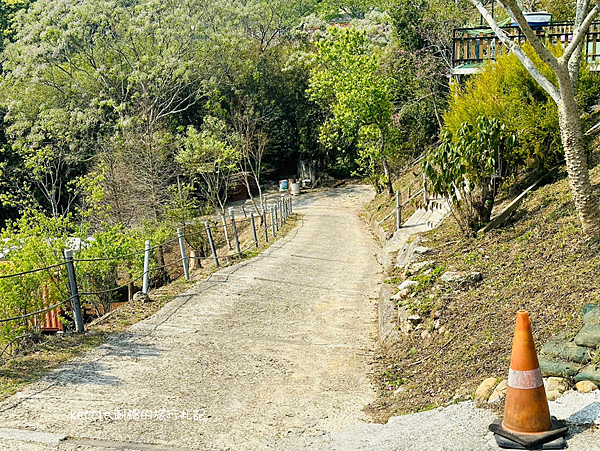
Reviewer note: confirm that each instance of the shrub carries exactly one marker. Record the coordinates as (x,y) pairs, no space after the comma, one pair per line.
(468,167)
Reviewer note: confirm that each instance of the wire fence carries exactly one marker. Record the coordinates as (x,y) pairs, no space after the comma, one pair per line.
(215,244)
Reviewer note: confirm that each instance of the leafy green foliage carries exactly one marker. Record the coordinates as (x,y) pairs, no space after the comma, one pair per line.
(348,82)
(418,59)
(108,258)
(468,168)
(505,91)
(207,157)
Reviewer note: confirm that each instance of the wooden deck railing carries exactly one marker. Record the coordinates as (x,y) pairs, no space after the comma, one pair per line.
(480,44)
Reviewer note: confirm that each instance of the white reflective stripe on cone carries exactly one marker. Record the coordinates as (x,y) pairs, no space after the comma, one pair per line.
(525,379)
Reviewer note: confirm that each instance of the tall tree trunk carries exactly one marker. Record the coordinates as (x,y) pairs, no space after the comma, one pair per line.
(572,141)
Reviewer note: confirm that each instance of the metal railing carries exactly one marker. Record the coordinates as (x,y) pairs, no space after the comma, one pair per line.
(400,205)
(278,214)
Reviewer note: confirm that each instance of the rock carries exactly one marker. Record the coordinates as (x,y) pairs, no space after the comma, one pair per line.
(499,392)
(406,327)
(562,348)
(400,295)
(559,384)
(414,319)
(461,276)
(437,313)
(139,296)
(591,314)
(589,335)
(484,390)
(425,335)
(495,397)
(408,284)
(406,256)
(442,329)
(386,315)
(399,390)
(553,395)
(558,368)
(502,386)
(589,373)
(585,386)
(414,268)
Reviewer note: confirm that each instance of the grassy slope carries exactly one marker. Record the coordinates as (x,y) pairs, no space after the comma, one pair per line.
(537,262)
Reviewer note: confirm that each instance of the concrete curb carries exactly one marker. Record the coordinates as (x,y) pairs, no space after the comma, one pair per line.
(386,322)
(377,230)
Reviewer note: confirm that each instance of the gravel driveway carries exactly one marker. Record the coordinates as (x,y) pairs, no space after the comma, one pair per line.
(268,350)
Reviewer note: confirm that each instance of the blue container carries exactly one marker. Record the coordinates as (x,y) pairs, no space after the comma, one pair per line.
(283,185)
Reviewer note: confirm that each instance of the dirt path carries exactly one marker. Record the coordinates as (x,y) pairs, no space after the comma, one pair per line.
(266,350)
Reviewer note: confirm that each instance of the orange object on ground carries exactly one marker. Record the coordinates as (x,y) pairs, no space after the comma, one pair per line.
(526,410)
(527,420)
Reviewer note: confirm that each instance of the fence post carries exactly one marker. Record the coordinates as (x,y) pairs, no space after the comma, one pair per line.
(398,217)
(276,216)
(253,229)
(273,220)
(211,242)
(425,190)
(225,230)
(186,268)
(235,234)
(146,266)
(281,201)
(264,214)
(74,292)
(291,205)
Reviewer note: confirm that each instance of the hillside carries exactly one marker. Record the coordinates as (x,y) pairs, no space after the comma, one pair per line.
(538,261)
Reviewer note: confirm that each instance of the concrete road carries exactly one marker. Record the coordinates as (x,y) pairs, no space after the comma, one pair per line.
(270,349)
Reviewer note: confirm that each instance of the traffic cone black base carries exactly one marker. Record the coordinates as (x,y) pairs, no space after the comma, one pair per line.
(502,442)
(552,439)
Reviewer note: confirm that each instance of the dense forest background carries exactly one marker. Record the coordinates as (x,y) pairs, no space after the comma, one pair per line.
(120,111)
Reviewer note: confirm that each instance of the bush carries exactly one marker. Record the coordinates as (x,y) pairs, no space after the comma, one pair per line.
(104,260)
(504,90)
(468,168)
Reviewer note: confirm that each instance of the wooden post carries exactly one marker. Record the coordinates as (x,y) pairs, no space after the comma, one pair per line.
(146,266)
(264,213)
(273,220)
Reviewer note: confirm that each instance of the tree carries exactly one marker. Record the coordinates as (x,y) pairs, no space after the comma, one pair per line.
(210,161)
(250,140)
(469,167)
(420,59)
(565,68)
(348,82)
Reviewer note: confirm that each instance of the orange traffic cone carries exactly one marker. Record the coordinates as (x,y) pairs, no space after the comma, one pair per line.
(527,420)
